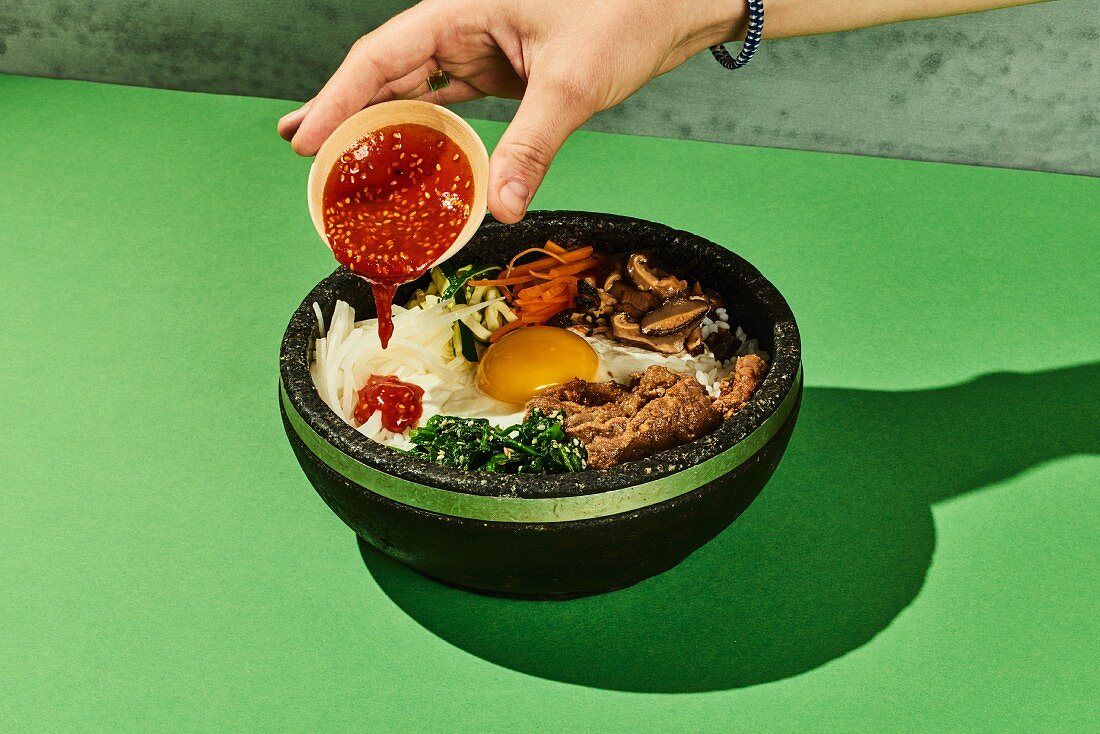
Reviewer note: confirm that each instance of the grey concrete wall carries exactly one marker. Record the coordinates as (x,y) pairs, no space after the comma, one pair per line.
(1017,87)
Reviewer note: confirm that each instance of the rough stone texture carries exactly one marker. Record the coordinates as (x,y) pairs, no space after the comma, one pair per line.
(1014,87)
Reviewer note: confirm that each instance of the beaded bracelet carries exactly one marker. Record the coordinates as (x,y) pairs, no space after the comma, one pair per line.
(752,39)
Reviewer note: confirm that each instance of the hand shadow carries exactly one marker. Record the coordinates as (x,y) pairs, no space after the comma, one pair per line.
(834,548)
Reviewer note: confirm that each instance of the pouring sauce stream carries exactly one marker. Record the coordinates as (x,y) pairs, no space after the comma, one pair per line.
(393,203)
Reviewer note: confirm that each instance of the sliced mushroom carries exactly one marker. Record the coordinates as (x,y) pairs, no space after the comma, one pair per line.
(611,280)
(723,344)
(562,319)
(694,341)
(675,316)
(630,332)
(604,305)
(588,299)
(594,302)
(650,278)
(714,299)
(633,302)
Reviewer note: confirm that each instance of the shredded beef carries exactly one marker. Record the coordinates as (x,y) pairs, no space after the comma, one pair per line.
(738,387)
(659,410)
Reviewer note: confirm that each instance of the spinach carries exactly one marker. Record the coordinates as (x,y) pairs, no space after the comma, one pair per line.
(538,445)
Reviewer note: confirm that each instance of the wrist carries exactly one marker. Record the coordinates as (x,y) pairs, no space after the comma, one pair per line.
(721,21)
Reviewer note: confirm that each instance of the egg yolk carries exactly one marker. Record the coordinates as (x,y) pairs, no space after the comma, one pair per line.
(532,358)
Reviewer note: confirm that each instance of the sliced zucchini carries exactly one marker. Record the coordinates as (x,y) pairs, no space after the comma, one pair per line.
(440,281)
(466,344)
(419,298)
(473,323)
(505,313)
(490,318)
(477,294)
(458,280)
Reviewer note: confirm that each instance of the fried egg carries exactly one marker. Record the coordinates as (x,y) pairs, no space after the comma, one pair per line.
(528,360)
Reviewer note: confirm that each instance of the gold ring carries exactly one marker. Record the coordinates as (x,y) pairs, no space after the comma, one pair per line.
(437,80)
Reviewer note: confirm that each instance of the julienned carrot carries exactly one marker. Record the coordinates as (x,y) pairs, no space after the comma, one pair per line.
(549,287)
(538,302)
(571,256)
(544,287)
(566,264)
(542,313)
(529,250)
(558,296)
(573,268)
(550,262)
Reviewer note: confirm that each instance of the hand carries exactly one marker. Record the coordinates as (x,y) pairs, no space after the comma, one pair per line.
(566,59)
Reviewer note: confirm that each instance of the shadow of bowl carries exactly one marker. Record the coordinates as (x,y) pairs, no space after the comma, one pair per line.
(552,536)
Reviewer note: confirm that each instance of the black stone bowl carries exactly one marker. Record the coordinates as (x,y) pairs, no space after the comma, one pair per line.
(553,536)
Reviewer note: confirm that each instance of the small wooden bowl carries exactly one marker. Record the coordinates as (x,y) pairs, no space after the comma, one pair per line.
(403,112)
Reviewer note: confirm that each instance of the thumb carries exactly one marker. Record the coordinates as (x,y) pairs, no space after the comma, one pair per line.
(548,114)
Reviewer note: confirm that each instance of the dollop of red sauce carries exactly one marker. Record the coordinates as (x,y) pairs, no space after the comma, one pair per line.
(401,403)
(393,204)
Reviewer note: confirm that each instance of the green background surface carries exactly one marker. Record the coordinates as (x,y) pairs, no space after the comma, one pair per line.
(1014,87)
(924,559)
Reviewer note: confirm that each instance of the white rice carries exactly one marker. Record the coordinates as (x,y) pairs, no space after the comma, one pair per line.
(618,361)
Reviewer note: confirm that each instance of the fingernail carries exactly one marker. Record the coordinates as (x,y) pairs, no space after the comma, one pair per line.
(300,112)
(514,197)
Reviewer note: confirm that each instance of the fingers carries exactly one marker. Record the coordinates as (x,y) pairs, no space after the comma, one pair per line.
(457,91)
(288,123)
(548,114)
(415,86)
(411,86)
(387,54)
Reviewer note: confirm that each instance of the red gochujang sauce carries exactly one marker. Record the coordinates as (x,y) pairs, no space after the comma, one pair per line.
(393,204)
(401,403)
